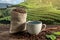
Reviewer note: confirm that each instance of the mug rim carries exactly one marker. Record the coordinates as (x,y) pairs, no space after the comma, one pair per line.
(39,22)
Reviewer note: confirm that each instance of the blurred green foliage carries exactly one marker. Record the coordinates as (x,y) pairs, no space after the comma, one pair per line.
(42,10)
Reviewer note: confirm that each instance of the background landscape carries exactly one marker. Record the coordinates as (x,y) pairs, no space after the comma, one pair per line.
(47,11)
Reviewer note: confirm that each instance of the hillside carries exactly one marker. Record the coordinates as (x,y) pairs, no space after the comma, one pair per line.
(39,3)
(42,10)
(5,5)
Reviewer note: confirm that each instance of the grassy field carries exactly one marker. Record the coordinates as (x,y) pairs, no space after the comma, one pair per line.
(37,11)
(45,14)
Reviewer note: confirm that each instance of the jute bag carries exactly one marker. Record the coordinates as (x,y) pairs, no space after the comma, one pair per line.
(18,20)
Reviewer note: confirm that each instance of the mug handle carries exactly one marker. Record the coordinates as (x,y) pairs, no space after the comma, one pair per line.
(44,27)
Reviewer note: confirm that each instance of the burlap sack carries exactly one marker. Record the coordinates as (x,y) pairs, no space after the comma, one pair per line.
(18,20)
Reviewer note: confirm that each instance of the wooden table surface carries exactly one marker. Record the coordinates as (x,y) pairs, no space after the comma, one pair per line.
(4,32)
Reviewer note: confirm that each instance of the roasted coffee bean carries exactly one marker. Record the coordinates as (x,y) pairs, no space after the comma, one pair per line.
(20,10)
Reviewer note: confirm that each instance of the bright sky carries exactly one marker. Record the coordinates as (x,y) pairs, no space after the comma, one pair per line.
(11,1)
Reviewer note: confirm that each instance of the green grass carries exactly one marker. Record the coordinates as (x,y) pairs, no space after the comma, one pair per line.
(6,18)
(46,14)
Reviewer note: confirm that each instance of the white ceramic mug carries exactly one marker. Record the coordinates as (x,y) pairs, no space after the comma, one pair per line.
(35,27)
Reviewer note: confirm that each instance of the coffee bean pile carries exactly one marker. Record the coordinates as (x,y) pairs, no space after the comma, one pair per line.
(20,10)
(27,36)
